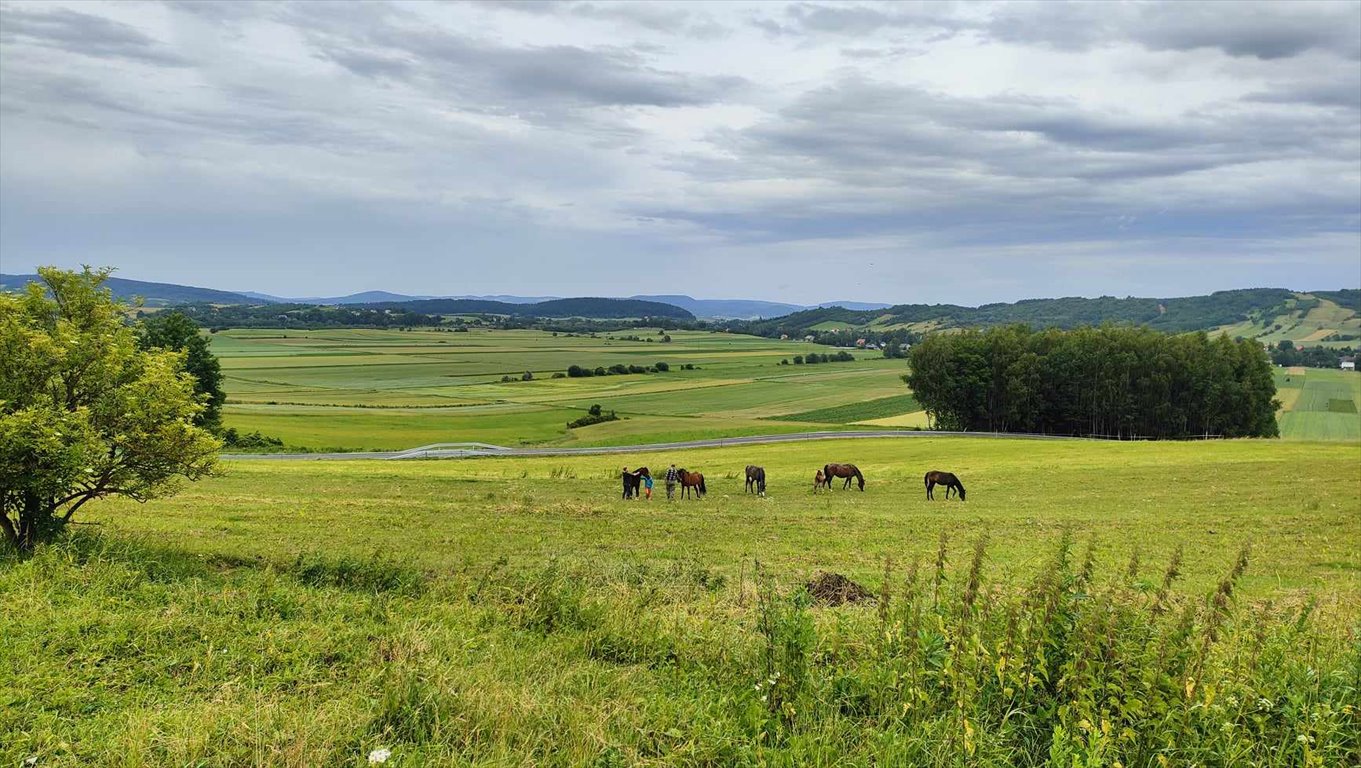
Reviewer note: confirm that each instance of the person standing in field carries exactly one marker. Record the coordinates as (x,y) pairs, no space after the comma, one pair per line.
(628,487)
(647,486)
(672,477)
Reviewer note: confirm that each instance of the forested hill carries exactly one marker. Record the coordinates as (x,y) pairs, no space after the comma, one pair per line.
(1176,315)
(596,308)
(155,294)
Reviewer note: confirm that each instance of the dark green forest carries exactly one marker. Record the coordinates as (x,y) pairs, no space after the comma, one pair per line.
(303,316)
(580,307)
(1119,382)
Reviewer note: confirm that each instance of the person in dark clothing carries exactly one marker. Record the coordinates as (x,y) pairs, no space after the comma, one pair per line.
(629,484)
(672,477)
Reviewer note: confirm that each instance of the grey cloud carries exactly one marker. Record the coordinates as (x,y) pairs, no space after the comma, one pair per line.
(885,157)
(652,16)
(860,19)
(84,34)
(533,80)
(1344,90)
(1241,29)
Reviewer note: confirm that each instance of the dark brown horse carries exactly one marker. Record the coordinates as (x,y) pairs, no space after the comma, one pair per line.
(951,483)
(756,480)
(690,480)
(632,480)
(847,471)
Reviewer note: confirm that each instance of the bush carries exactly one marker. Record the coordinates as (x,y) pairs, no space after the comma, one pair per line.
(663,367)
(595,415)
(249,441)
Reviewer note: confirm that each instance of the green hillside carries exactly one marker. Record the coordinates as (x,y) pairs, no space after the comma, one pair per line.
(1266,313)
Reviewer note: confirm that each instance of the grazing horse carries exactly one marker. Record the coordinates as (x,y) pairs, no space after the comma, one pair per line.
(632,480)
(756,480)
(847,471)
(690,480)
(819,480)
(936,477)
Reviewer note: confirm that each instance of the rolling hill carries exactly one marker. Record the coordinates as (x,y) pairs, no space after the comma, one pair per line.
(1270,314)
(154,294)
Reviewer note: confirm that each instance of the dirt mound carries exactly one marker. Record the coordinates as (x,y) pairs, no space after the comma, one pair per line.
(835,589)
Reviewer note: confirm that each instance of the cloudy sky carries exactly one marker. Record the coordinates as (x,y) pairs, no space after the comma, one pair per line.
(789,151)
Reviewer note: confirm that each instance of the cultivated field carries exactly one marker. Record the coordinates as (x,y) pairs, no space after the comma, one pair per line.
(1318,404)
(362,389)
(1309,326)
(356,389)
(517,612)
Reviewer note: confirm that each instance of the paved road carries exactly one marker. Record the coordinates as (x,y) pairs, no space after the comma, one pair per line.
(477,450)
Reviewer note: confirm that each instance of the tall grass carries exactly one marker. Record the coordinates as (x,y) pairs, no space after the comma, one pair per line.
(119,653)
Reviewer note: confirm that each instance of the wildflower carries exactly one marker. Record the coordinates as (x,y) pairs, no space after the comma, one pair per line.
(379,756)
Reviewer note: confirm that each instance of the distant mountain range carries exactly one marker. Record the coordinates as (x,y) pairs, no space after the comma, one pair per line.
(166,294)
(1257,313)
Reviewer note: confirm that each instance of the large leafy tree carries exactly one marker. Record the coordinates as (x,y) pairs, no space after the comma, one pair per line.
(84,412)
(174,330)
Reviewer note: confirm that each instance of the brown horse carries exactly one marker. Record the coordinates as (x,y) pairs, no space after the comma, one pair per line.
(756,480)
(690,480)
(819,480)
(951,483)
(847,471)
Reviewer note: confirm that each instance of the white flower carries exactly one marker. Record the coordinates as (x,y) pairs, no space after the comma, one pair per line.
(379,756)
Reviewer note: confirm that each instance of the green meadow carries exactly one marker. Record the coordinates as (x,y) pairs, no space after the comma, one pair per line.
(516,611)
(385,390)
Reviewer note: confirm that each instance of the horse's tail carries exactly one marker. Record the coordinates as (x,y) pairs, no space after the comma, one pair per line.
(926,479)
(702,489)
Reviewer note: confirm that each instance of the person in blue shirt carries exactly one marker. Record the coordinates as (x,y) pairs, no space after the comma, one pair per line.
(647,486)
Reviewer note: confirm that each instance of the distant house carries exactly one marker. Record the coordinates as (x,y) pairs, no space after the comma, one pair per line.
(1348,364)
(860,342)
(784,337)
(809,337)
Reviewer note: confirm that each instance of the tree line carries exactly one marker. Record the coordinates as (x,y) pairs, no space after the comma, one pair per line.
(1110,381)
(1285,353)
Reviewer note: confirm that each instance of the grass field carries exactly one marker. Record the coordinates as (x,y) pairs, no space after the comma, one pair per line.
(517,612)
(384,390)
